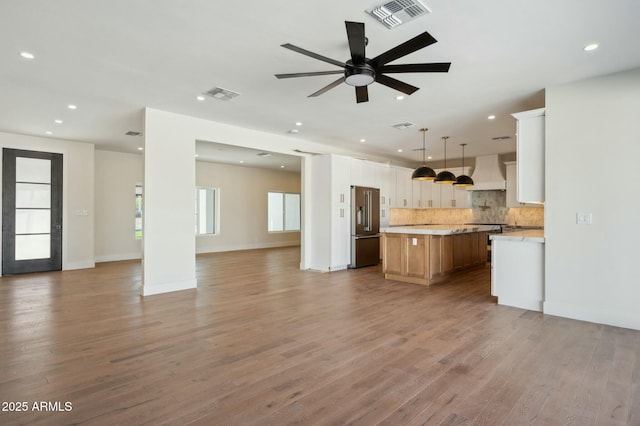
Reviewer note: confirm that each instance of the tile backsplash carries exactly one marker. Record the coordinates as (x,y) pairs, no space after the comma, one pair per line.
(488,207)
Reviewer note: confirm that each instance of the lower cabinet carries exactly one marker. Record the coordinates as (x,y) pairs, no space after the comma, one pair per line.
(426,259)
(517,273)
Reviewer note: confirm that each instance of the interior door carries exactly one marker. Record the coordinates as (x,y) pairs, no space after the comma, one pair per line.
(31,211)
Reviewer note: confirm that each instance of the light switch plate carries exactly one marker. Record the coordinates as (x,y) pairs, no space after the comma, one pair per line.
(583,218)
(414,241)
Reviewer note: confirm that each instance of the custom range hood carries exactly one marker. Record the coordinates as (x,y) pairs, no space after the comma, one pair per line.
(487,174)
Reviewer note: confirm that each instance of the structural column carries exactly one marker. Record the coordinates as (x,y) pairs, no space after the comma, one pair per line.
(168,248)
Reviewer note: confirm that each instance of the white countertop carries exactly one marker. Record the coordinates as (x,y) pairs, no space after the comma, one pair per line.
(439,229)
(529,235)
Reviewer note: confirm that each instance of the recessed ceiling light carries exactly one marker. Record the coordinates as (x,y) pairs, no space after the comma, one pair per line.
(400,150)
(399,98)
(363,140)
(57,121)
(429,157)
(282,167)
(49,132)
(200,98)
(141,148)
(27,55)
(590,47)
(491,117)
(70,106)
(298,124)
(241,161)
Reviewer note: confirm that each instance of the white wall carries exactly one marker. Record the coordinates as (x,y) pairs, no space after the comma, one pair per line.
(243,192)
(592,152)
(243,206)
(77,188)
(116,176)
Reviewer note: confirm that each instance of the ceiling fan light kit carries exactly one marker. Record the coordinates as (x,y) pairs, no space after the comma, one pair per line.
(358,77)
(361,71)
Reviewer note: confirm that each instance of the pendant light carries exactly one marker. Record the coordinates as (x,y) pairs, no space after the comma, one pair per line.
(423,172)
(463,180)
(445,176)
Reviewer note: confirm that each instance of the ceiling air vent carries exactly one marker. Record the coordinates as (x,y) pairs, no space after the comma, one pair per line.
(263,154)
(132,133)
(221,94)
(402,126)
(501,138)
(398,12)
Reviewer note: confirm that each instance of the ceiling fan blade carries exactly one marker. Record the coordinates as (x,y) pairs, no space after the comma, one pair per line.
(423,40)
(327,88)
(309,74)
(433,67)
(313,55)
(362,94)
(355,35)
(396,84)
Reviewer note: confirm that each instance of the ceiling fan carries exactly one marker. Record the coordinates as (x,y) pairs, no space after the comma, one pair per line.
(360,71)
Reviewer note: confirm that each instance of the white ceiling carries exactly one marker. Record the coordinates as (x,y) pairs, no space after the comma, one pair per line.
(113,58)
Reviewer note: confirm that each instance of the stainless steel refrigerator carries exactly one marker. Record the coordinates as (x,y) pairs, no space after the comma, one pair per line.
(365,226)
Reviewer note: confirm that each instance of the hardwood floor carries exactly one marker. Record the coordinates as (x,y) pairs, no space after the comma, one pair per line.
(263,343)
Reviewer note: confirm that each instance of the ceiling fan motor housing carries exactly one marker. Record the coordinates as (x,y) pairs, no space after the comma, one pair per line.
(359,75)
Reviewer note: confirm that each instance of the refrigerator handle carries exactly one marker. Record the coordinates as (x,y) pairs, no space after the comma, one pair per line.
(368,205)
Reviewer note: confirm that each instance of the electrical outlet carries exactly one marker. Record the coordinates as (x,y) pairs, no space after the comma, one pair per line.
(583,218)
(414,241)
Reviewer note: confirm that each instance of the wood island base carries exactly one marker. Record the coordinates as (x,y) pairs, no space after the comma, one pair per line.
(425,259)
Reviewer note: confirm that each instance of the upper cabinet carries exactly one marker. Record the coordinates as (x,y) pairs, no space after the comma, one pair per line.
(530,155)
(512,187)
(451,196)
(403,196)
(374,175)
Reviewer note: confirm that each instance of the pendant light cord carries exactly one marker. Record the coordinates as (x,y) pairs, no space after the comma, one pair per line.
(424,149)
(463,145)
(444,138)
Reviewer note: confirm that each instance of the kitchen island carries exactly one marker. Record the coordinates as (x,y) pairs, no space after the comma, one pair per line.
(517,269)
(426,254)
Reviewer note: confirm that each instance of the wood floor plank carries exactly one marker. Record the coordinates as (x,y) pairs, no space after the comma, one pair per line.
(270,344)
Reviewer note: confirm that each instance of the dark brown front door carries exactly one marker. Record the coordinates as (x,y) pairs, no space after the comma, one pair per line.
(31,211)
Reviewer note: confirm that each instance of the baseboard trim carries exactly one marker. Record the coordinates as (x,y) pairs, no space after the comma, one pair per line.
(70,266)
(153,289)
(245,247)
(587,313)
(118,257)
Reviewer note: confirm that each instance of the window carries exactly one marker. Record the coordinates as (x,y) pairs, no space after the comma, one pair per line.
(284,212)
(138,222)
(207,211)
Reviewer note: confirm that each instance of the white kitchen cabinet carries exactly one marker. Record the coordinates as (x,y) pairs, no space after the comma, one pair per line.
(384,170)
(517,269)
(453,197)
(426,194)
(373,175)
(530,128)
(364,173)
(512,187)
(331,202)
(403,188)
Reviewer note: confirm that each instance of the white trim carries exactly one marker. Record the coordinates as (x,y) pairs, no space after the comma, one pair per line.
(150,290)
(249,247)
(615,318)
(70,266)
(118,257)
